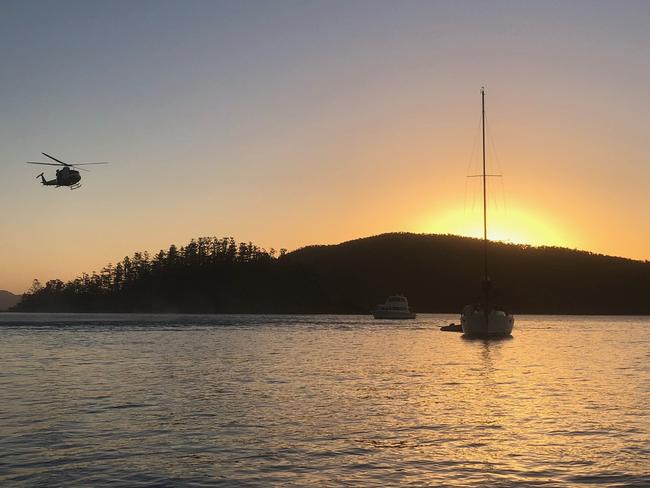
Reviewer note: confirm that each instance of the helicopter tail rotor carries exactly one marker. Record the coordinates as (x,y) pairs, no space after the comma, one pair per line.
(42,178)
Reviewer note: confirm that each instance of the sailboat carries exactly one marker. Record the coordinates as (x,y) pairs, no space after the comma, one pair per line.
(483,320)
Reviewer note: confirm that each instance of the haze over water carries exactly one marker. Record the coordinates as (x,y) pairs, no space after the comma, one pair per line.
(128,400)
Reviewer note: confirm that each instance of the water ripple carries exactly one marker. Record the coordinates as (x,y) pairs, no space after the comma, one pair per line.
(201,400)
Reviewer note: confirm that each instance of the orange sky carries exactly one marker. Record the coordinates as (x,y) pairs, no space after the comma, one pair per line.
(294,124)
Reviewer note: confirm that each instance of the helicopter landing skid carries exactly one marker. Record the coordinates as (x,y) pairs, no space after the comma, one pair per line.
(75,186)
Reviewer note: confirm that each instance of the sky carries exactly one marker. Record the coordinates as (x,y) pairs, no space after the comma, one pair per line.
(289,123)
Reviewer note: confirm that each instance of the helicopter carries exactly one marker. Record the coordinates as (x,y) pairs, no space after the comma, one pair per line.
(68,175)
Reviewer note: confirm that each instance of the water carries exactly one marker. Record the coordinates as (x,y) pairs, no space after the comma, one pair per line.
(160,400)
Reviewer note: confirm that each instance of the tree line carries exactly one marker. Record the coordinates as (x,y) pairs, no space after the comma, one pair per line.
(438,273)
(176,279)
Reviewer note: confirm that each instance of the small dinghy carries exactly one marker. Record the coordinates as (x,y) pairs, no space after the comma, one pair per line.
(452,328)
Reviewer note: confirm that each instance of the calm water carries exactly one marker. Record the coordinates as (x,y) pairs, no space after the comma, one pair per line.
(142,400)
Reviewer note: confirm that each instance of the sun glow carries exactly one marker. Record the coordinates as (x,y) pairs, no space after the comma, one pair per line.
(516,226)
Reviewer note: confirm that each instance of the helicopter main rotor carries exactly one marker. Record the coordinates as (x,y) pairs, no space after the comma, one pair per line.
(61,163)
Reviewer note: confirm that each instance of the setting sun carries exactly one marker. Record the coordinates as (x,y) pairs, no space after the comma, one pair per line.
(517,225)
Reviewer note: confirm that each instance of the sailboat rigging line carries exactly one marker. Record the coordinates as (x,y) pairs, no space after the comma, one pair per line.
(497,165)
(470,161)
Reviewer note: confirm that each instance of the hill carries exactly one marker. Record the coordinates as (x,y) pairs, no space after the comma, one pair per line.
(443,272)
(438,273)
(8,299)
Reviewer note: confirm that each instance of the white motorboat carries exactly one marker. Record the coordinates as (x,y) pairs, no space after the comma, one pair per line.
(484,320)
(395,307)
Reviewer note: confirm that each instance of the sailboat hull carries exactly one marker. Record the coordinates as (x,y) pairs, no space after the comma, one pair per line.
(477,323)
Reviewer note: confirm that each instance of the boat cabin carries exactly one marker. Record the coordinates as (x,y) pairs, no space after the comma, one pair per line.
(396,302)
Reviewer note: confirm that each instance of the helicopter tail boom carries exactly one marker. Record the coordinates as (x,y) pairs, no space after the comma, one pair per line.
(45,182)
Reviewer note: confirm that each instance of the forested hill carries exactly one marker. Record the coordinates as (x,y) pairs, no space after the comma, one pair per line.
(438,273)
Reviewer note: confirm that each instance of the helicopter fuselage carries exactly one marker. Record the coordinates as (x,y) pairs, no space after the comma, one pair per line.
(64,177)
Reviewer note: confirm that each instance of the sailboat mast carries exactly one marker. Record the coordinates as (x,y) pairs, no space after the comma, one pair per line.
(485,262)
